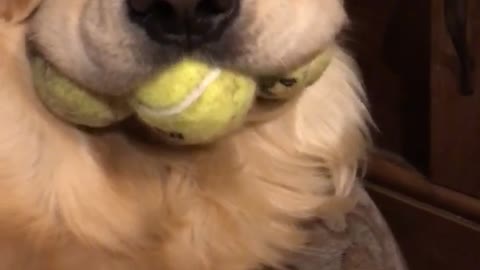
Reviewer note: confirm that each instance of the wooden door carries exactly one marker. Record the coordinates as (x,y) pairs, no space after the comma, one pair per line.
(390,40)
(455,99)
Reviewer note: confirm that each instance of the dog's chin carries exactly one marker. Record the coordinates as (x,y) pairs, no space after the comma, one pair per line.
(131,129)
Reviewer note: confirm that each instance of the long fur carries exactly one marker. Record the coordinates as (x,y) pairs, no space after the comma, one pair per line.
(74,201)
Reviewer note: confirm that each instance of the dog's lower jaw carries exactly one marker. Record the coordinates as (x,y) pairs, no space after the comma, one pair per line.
(90,202)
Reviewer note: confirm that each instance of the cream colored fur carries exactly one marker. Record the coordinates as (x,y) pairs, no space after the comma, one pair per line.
(71,201)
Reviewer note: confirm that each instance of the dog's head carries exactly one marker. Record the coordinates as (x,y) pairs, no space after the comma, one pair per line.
(110,45)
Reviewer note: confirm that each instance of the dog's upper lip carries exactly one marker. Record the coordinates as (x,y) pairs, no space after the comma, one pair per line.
(36,56)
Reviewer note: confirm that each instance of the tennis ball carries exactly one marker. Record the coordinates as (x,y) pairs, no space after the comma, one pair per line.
(194,103)
(289,85)
(71,103)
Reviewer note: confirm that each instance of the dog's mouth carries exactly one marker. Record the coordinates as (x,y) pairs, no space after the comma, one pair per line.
(109,114)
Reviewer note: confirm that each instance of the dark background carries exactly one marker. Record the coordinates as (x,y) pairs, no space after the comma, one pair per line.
(425,174)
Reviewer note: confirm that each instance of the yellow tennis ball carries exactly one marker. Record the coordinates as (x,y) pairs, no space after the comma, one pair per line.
(193,103)
(71,103)
(290,85)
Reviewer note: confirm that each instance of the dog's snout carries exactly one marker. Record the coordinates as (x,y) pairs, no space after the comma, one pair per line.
(187,23)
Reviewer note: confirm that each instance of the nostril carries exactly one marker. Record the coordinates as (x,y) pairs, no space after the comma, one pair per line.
(188,23)
(212,8)
(157,16)
(165,9)
(161,9)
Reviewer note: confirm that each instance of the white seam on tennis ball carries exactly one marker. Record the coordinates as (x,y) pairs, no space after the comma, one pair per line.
(190,99)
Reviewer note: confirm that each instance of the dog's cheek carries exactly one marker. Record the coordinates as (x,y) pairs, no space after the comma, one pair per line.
(274,36)
(15,11)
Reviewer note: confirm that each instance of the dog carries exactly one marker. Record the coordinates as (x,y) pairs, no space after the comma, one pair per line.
(75,199)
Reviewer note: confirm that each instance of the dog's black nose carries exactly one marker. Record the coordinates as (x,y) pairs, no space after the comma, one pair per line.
(187,23)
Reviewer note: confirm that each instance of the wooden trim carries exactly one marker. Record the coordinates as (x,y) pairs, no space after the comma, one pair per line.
(425,207)
(404,179)
(429,237)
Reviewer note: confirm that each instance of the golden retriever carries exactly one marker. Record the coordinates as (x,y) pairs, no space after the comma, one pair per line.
(73,199)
